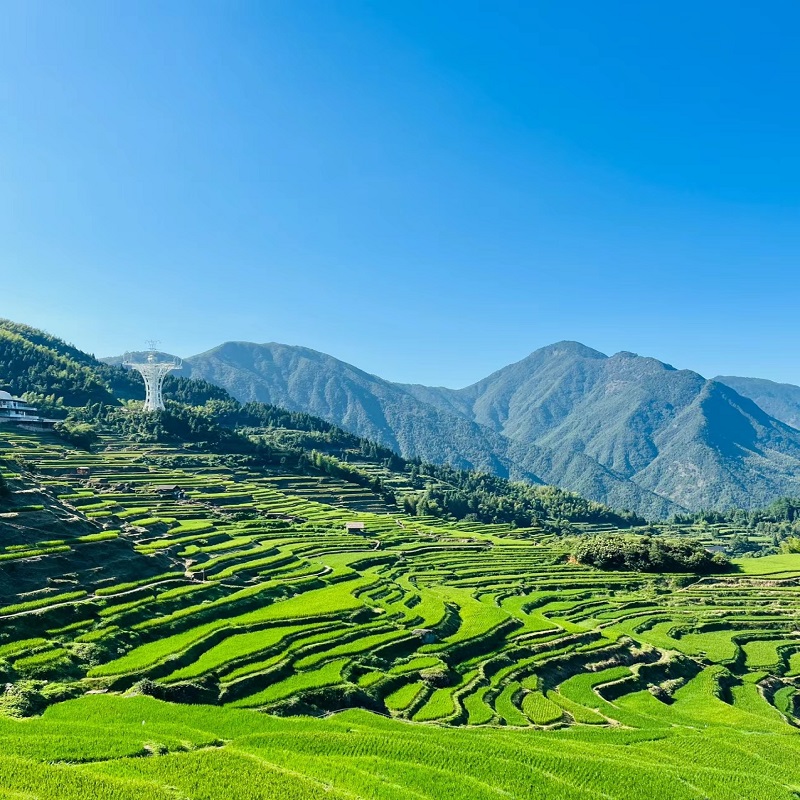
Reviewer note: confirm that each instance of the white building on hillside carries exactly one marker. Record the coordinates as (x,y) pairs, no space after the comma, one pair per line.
(15,409)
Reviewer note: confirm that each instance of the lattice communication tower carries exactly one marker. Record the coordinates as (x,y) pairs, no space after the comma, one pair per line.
(153,370)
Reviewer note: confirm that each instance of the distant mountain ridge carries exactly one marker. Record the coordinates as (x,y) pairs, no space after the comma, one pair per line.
(380,410)
(626,430)
(779,400)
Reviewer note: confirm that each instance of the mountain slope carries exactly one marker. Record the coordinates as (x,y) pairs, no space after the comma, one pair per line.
(301,379)
(625,430)
(780,400)
(204,418)
(670,431)
(570,397)
(419,422)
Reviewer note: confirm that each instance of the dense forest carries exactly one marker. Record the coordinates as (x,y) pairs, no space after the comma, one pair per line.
(784,509)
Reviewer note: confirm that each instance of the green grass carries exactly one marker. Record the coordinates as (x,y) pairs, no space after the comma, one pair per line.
(762,653)
(400,699)
(41,663)
(360,645)
(357,755)
(328,674)
(416,664)
(578,712)
(440,704)
(330,600)
(794,664)
(235,647)
(540,710)
(479,712)
(33,605)
(506,708)
(580,689)
(477,618)
(21,646)
(784,563)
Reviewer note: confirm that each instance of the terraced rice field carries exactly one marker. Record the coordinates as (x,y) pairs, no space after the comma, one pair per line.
(227,590)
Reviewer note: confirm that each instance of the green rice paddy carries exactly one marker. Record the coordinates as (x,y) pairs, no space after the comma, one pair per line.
(236,641)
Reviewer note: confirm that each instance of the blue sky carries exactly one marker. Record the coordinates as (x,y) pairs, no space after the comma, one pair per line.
(429,190)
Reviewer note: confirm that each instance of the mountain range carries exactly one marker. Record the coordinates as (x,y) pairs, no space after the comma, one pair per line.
(626,430)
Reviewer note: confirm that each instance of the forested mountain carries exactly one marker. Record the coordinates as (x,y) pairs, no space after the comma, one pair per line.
(780,400)
(693,441)
(57,376)
(301,379)
(625,430)
(93,395)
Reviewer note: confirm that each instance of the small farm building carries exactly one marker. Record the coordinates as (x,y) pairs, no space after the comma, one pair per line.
(355,527)
(170,488)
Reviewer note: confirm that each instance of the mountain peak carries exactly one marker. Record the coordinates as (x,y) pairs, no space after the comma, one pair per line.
(568,347)
(627,355)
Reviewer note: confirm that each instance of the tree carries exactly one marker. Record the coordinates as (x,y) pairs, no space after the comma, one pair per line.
(80,434)
(648,554)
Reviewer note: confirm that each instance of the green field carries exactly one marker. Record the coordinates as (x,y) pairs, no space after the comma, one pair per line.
(87,748)
(786,565)
(238,642)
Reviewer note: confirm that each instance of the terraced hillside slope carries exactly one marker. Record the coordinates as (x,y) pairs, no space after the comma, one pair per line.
(227,600)
(86,393)
(476,660)
(628,431)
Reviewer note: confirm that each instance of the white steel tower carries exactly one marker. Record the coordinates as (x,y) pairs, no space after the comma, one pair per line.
(153,371)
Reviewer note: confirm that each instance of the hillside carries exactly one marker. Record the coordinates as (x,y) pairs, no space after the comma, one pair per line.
(159,594)
(86,391)
(625,430)
(300,379)
(779,400)
(198,565)
(670,431)
(51,538)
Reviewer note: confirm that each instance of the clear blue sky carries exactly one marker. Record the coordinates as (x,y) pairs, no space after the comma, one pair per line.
(429,190)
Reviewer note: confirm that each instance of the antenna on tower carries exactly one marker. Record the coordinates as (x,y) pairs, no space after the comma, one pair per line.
(153,372)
